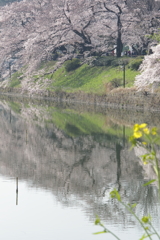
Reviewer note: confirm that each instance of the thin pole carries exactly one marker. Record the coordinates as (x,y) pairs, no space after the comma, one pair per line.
(16,184)
(26,136)
(123,136)
(16,190)
(10,116)
(124,75)
(10,70)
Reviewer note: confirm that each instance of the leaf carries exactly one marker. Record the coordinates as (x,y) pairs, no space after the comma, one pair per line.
(155,169)
(100,232)
(156,139)
(97,221)
(151,181)
(134,205)
(146,228)
(146,236)
(115,194)
(143,237)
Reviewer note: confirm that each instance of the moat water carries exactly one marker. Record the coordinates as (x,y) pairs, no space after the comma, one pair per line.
(67,159)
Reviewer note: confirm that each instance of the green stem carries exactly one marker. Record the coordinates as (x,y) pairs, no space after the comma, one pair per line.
(129,209)
(111,233)
(158,171)
(157,167)
(154,230)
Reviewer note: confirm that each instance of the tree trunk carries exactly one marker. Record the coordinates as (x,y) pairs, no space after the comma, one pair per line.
(119,45)
(119,37)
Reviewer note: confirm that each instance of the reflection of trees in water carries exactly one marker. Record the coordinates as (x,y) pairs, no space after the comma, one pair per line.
(148,168)
(112,212)
(78,170)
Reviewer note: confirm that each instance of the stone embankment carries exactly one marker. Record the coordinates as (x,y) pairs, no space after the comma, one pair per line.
(124,99)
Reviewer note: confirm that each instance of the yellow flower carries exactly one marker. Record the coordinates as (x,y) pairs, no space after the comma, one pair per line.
(154,131)
(143,125)
(146,131)
(137,134)
(136,127)
(144,143)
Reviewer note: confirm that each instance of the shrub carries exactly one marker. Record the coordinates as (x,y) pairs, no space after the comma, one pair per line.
(104,61)
(135,64)
(109,61)
(115,62)
(72,64)
(58,89)
(115,83)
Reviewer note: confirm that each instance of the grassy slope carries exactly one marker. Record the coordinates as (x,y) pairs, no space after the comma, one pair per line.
(85,78)
(89,79)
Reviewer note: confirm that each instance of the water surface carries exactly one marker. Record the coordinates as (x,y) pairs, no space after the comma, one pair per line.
(67,160)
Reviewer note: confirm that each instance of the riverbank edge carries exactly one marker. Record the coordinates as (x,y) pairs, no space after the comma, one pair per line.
(124,99)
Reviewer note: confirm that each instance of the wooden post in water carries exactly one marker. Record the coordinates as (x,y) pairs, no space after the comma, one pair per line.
(26,136)
(16,190)
(10,71)
(10,116)
(16,184)
(124,136)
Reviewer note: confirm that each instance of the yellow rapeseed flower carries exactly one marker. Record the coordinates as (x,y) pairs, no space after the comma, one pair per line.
(143,125)
(137,134)
(154,131)
(146,131)
(136,127)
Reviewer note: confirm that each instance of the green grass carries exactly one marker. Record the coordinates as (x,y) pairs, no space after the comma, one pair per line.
(15,81)
(72,123)
(47,65)
(77,124)
(89,79)
(16,107)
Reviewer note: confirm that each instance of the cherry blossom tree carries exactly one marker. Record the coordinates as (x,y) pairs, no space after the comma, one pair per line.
(112,13)
(150,70)
(31,31)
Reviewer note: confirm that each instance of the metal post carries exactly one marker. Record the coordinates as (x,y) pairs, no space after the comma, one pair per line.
(16,184)
(16,190)
(26,136)
(10,70)
(124,75)
(124,136)
(10,116)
